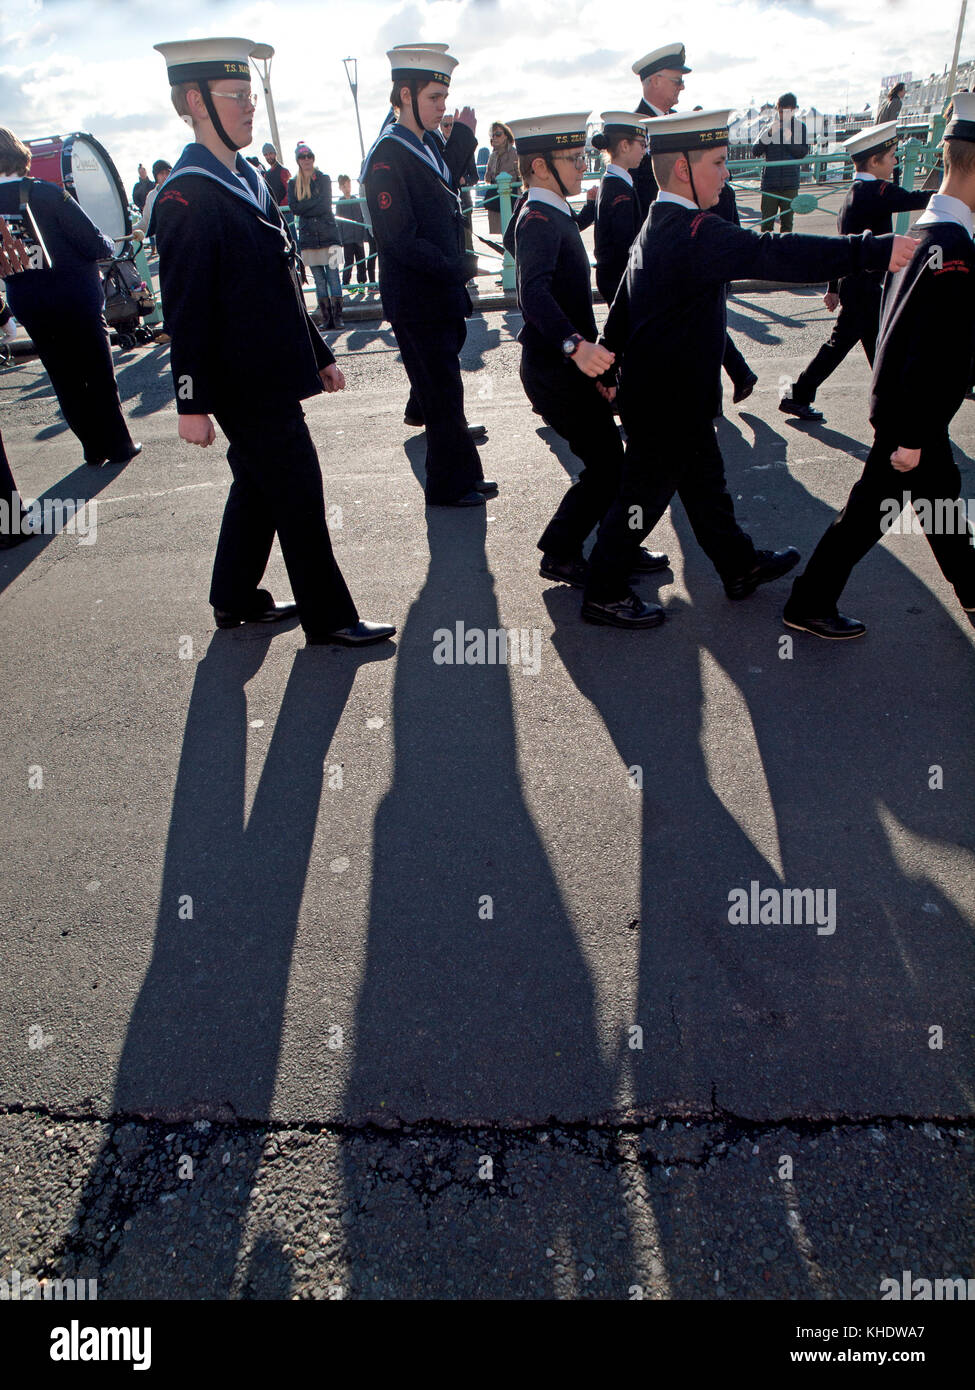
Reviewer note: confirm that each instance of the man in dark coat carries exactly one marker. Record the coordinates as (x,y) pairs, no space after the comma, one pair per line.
(62,307)
(142,189)
(226,262)
(922,372)
(418,223)
(869,206)
(783,139)
(668,325)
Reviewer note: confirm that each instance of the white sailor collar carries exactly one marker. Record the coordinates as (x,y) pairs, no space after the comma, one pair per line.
(544,195)
(664,197)
(619,173)
(942,207)
(861,176)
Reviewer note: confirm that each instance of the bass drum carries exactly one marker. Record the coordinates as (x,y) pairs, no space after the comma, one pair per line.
(81,165)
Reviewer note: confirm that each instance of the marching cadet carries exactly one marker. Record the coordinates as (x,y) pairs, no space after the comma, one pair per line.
(14,524)
(661,75)
(62,307)
(922,371)
(227,261)
(619,214)
(419,229)
(869,206)
(668,324)
(560,359)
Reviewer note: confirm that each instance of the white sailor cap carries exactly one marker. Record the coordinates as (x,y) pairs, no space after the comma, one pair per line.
(430,64)
(701,130)
(672,56)
(538,134)
(625,123)
(432,47)
(194,59)
(875,140)
(962,123)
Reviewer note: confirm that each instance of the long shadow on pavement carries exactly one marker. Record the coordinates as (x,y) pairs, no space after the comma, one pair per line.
(476,1004)
(203,1042)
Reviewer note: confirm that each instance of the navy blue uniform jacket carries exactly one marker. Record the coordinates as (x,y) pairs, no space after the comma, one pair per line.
(552,277)
(241,335)
(869,206)
(419,230)
(668,319)
(618,220)
(926,345)
(74,244)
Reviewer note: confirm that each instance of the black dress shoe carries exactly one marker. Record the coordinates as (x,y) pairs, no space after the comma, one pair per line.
(360,634)
(477,431)
(126,457)
(649,561)
(574,572)
(804,412)
(746,388)
(469,499)
(487,486)
(265,610)
(94,463)
(630,612)
(836,628)
(414,422)
(770,564)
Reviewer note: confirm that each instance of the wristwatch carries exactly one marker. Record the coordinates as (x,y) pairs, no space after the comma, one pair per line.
(569,345)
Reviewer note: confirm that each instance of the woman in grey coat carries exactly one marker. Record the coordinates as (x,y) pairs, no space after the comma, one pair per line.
(319,241)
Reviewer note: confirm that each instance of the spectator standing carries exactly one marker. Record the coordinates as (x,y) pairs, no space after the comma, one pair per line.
(14,523)
(63,308)
(503,159)
(783,139)
(891,108)
(310,199)
(276,176)
(353,236)
(142,189)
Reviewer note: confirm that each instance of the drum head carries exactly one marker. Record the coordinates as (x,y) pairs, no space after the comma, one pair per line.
(90,175)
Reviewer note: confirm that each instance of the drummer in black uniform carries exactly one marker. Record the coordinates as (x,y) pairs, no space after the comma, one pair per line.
(668,324)
(560,359)
(869,206)
(619,214)
(922,372)
(226,261)
(62,307)
(418,223)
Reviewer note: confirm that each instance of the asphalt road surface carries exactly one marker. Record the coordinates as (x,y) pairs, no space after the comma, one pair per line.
(331,974)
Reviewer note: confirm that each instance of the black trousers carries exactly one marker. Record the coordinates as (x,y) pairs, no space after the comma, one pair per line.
(857,322)
(277,487)
(8,490)
(864,520)
(431,356)
(656,466)
(77,355)
(354,252)
(570,404)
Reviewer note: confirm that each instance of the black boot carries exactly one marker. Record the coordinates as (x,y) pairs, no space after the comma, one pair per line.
(325,309)
(337,321)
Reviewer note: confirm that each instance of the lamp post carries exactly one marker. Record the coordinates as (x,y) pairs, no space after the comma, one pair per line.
(353,75)
(263,53)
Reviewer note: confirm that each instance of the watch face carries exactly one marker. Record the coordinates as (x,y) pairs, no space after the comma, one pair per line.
(568,347)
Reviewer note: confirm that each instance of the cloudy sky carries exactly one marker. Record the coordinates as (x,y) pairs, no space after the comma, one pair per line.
(89,64)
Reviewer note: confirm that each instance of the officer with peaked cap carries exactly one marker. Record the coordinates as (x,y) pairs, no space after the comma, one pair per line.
(661,75)
(226,261)
(419,228)
(921,375)
(869,206)
(668,325)
(560,358)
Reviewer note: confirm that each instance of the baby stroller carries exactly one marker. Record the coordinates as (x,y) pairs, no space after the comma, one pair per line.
(127,296)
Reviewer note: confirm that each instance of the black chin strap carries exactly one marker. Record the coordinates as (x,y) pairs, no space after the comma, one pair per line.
(690,175)
(550,166)
(212,113)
